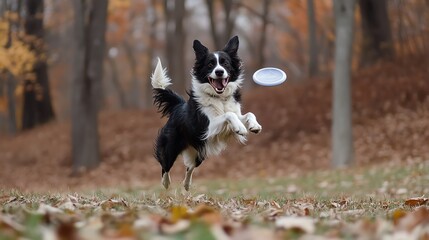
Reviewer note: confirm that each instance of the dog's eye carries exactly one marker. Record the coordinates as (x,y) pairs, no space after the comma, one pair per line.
(223,62)
(210,65)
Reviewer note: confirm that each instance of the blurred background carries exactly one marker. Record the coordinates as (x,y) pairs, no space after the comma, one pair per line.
(64,63)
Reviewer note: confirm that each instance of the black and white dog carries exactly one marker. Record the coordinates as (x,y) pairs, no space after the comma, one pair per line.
(201,126)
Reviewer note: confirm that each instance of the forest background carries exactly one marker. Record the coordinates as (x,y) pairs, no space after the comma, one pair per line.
(41,40)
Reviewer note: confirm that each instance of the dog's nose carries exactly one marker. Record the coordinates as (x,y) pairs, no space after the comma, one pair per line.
(219,73)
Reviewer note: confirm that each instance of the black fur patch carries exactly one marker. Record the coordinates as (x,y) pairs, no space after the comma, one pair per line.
(166,100)
(185,127)
(237,96)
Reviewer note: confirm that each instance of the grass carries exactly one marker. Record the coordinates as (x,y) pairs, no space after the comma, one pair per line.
(345,195)
(384,181)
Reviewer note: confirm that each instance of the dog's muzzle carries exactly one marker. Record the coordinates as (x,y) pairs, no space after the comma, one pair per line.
(219,84)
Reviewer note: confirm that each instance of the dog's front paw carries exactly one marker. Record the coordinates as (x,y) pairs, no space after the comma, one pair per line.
(235,124)
(255,127)
(240,129)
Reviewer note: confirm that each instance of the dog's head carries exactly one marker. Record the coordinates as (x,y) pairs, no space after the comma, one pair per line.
(217,73)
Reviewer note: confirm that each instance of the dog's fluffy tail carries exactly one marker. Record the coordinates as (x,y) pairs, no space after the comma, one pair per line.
(164,99)
(159,78)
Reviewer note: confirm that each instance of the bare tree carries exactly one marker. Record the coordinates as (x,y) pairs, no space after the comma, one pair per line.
(135,94)
(90,27)
(221,36)
(37,108)
(313,64)
(263,36)
(175,13)
(342,140)
(116,84)
(153,22)
(11,103)
(377,36)
(9,79)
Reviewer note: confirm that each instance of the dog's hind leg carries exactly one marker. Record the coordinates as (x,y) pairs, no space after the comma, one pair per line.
(190,156)
(171,155)
(188,178)
(165,180)
(167,150)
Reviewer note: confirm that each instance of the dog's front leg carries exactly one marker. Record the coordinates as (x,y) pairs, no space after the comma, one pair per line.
(249,119)
(217,124)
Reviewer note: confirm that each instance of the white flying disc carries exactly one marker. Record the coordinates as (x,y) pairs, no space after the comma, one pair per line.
(269,76)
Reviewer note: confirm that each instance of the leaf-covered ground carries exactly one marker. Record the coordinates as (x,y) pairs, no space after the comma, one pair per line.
(386,201)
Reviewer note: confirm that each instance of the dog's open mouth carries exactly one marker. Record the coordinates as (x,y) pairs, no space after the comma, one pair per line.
(219,84)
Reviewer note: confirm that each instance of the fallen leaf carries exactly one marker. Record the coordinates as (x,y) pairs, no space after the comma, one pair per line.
(413,219)
(8,222)
(47,209)
(416,201)
(112,203)
(67,204)
(207,214)
(178,213)
(67,230)
(275,204)
(126,230)
(177,227)
(198,198)
(364,228)
(397,215)
(353,212)
(254,233)
(300,224)
(144,223)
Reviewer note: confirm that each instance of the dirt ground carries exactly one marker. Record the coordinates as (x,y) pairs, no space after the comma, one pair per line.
(390,117)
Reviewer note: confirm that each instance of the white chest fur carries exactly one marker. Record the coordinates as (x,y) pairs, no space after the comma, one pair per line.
(223,113)
(214,107)
(219,131)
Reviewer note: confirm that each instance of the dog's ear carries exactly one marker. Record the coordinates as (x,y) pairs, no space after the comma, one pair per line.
(232,46)
(200,50)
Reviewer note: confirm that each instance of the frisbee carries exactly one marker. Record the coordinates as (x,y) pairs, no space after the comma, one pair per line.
(269,76)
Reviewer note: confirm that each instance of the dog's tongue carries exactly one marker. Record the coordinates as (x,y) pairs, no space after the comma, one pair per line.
(219,83)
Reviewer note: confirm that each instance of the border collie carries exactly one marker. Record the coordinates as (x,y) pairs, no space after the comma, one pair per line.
(201,126)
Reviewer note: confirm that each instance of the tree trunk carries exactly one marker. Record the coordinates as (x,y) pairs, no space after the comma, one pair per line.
(313,64)
(10,84)
(90,26)
(3,118)
(11,103)
(263,36)
(229,22)
(213,29)
(342,140)
(116,84)
(175,36)
(37,108)
(377,36)
(135,94)
(180,39)
(221,37)
(150,55)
